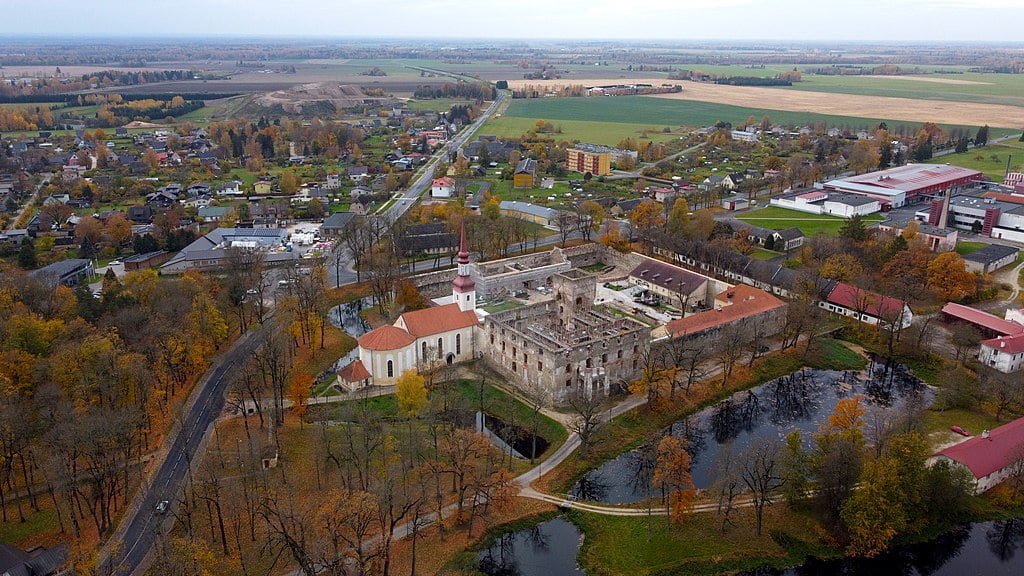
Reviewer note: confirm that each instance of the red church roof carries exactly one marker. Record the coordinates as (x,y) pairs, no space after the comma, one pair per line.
(430,321)
(983,456)
(386,338)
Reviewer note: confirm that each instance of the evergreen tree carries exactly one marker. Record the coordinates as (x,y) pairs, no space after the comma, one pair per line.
(981,138)
(854,229)
(27,254)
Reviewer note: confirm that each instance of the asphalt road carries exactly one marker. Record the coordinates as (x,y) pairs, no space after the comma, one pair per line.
(418,187)
(142,524)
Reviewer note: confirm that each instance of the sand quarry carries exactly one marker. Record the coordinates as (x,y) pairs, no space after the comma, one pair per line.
(908,109)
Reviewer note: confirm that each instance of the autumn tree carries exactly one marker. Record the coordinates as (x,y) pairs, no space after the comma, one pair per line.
(843,267)
(949,278)
(411,393)
(299,386)
(761,474)
(838,457)
(647,218)
(589,215)
(678,217)
(672,477)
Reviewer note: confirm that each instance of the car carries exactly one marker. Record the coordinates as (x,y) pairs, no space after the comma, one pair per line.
(284,283)
(115,263)
(251,291)
(162,506)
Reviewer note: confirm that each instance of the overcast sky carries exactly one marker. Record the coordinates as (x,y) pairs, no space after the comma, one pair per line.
(794,20)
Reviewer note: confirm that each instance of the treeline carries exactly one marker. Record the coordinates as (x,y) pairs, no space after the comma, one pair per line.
(472,90)
(753,81)
(155,109)
(105,79)
(265,140)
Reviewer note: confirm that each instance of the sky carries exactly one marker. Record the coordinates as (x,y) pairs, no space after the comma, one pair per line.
(792,20)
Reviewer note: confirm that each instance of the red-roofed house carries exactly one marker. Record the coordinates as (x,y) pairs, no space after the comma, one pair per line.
(353,376)
(442,187)
(1004,353)
(424,338)
(866,306)
(989,457)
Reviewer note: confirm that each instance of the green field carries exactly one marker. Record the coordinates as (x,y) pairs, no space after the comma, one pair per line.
(776,218)
(595,132)
(991,160)
(989,88)
(659,112)
(437,105)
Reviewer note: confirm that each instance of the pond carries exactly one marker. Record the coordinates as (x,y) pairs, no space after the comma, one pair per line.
(547,549)
(346,316)
(989,548)
(802,400)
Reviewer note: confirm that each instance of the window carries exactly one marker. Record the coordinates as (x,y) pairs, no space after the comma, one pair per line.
(619,355)
(590,362)
(458,343)
(540,366)
(604,358)
(423,356)
(391,369)
(440,347)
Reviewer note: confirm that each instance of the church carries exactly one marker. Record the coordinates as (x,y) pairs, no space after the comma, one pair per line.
(421,339)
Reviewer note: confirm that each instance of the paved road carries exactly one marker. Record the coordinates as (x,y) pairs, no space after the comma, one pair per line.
(418,187)
(47,176)
(141,525)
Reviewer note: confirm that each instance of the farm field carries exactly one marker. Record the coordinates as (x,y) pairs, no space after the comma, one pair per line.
(646,111)
(776,218)
(907,110)
(991,160)
(968,87)
(593,131)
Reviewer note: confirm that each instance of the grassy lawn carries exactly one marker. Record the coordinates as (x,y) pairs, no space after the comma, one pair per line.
(638,546)
(762,254)
(506,305)
(991,160)
(965,248)
(777,218)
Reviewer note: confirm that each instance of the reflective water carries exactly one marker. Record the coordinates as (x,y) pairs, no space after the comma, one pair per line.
(986,548)
(801,400)
(547,549)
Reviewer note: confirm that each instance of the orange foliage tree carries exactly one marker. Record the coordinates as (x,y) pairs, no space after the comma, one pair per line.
(672,477)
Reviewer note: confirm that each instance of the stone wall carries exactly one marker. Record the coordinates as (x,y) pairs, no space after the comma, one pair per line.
(435,284)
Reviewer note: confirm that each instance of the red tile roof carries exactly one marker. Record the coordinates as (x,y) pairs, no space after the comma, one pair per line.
(430,321)
(386,338)
(865,301)
(354,372)
(746,301)
(1007,344)
(983,319)
(983,456)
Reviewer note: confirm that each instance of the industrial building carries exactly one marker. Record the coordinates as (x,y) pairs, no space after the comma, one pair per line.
(908,184)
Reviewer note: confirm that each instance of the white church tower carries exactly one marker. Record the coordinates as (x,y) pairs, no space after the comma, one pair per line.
(463,288)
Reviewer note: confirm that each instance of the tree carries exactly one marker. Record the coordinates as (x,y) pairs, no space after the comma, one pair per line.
(589,215)
(844,267)
(759,470)
(981,137)
(949,278)
(672,477)
(411,393)
(565,224)
(27,254)
(864,157)
(647,218)
(854,229)
(872,514)
(679,217)
(586,416)
(289,182)
(299,387)
(795,469)
(838,457)
(120,230)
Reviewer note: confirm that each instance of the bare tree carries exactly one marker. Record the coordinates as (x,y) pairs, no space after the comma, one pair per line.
(565,224)
(586,416)
(760,474)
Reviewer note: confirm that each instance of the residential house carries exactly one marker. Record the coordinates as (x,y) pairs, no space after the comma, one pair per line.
(214,213)
(525,175)
(335,224)
(442,187)
(358,173)
(146,260)
(232,188)
(140,214)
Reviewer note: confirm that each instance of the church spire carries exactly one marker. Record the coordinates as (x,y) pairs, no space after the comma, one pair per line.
(464,288)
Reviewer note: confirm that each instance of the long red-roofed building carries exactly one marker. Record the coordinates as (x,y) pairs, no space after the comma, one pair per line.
(906,184)
(738,305)
(990,456)
(867,306)
(989,325)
